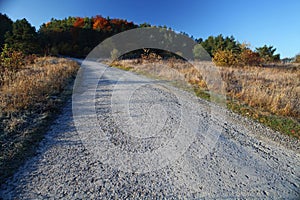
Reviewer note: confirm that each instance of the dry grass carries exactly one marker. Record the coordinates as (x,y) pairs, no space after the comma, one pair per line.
(274,90)
(270,95)
(29,100)
(33,85)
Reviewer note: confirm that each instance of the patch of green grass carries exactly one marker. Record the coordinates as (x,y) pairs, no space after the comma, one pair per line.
(285,125)
(202,93)
(122,67)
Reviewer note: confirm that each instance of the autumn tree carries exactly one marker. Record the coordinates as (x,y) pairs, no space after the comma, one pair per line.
(119,25)
(225,58)
(79,23)
(249,58)
(77,36)
(101,23)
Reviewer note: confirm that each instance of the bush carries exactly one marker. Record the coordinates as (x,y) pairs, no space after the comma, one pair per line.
(10,62)
(249,58)
(297,58)
(225,58)
(228,58)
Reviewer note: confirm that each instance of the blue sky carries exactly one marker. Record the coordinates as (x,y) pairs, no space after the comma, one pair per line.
(258,22)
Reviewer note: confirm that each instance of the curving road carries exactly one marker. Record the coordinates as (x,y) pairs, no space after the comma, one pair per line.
(137,138)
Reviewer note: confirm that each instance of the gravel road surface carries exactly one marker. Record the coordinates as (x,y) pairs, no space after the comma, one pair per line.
(152,141)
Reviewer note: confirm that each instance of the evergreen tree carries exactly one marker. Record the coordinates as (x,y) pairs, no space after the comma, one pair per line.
(267,53)
(23,37)
(5,26)
(213,44)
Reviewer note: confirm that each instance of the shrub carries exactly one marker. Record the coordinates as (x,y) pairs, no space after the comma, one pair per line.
(10,62)
(225,58)
(297,58)
(249,58)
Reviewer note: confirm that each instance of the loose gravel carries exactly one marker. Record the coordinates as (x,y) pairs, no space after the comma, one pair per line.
(161,143)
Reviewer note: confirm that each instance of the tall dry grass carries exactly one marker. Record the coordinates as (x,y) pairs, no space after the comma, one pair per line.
(32,86)
(275,90)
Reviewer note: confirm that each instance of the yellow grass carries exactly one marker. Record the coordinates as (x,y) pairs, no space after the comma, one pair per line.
(33,85)
(275,90)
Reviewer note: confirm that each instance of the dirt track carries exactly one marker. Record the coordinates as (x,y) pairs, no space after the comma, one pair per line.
(150,140)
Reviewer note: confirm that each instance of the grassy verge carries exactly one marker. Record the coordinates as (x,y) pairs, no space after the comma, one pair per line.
(29,103)
(286,125)
(268,95)
(125,68)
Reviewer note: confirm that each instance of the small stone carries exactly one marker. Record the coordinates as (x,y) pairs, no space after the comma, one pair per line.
(266,193)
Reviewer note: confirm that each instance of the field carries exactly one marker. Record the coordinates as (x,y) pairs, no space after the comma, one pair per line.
(268,94)
(29,99)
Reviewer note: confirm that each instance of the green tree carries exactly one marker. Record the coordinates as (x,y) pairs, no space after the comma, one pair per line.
(213,44)
(5,26)
(199,40)
(200,53)
(23,37)
(267,53)
(143,25)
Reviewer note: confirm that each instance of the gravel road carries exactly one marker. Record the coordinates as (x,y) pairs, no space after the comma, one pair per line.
(153,141)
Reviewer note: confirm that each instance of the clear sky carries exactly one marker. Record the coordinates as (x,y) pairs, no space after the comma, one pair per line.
(258,22)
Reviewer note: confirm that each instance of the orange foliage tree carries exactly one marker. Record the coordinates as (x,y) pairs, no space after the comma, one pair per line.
(249,58)
(121,25)
(79,23)
(101,23)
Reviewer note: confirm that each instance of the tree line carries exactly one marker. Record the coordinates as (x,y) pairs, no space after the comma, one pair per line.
(72,36)
(226,51)
(77,36)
